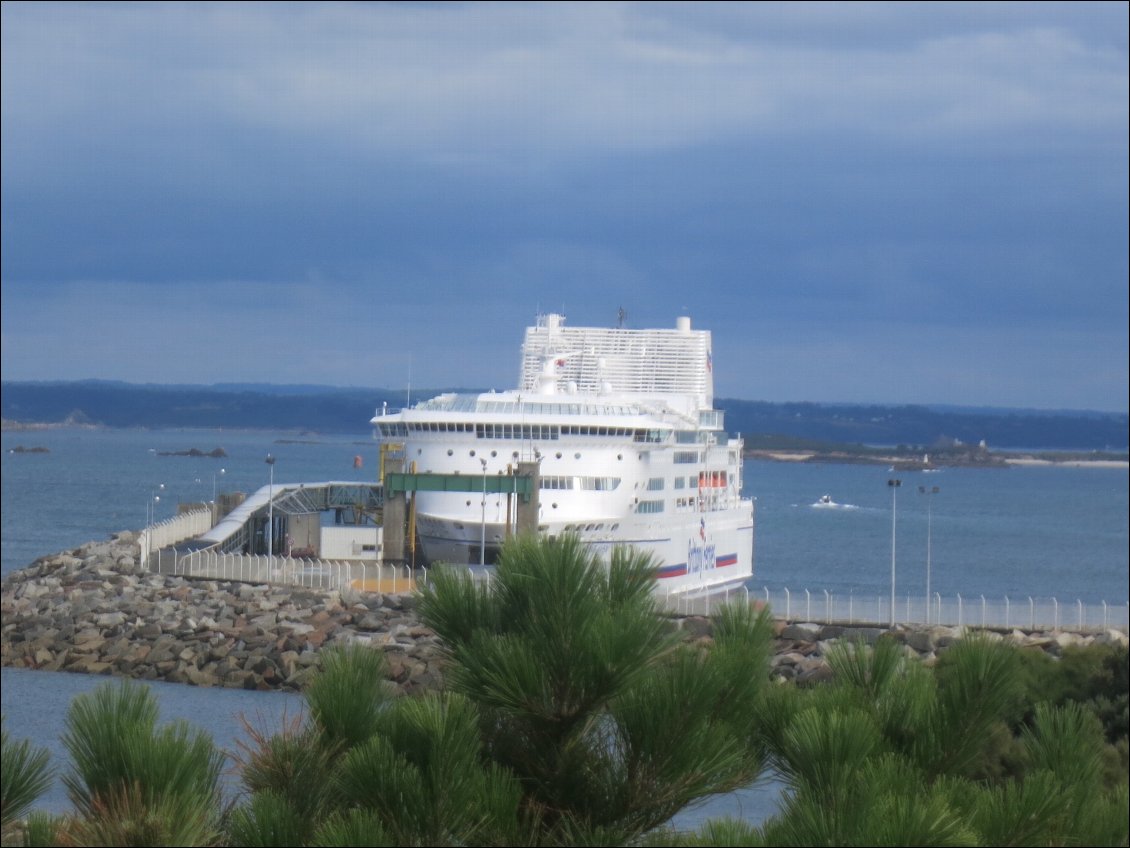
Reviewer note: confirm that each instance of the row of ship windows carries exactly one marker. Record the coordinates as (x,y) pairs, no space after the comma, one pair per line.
(682,504)
(588,484)
(589,527)
(399,429)
(707,479)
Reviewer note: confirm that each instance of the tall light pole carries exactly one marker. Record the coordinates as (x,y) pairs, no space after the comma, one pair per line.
(483,538)
(151,504)
(151,516)
(270,460)
(929,492)
(894,484)
(215,508)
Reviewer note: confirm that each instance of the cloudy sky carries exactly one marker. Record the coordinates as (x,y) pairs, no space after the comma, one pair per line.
(865,202)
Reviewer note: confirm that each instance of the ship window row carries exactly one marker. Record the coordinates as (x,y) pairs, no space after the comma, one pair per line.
(472,403)
(547,432)
(587,484)
(687,457)
(577,528)
(517,431)
(636,435)
(395,430)
(649,506)
(532,408)
(655,484)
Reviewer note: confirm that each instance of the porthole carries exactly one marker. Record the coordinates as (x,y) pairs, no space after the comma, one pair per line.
(558,454)
(620,456)
(450,451)
(576,456)
(472,453)
(494,453)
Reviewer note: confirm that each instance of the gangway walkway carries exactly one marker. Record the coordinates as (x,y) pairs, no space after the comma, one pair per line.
(233,533)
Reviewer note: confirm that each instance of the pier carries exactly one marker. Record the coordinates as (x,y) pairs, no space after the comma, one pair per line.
(264,534)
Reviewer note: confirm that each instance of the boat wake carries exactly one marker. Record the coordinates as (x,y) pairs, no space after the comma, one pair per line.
(826,502)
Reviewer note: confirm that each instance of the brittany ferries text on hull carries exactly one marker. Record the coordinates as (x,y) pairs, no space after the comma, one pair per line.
(629,448)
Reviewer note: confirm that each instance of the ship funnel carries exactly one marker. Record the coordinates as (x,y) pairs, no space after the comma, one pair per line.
(683,324)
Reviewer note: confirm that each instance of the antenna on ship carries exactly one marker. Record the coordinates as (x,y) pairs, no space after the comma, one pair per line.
(621,316)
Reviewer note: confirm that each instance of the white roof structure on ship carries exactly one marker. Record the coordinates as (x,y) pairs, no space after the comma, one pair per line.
(673,363)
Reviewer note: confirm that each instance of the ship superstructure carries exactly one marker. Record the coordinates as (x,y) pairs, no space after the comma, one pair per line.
(628,445)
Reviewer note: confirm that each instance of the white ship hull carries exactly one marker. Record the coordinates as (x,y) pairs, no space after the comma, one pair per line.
(694,555)
(629,450)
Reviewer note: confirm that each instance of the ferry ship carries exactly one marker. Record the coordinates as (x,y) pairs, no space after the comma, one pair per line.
(628,445)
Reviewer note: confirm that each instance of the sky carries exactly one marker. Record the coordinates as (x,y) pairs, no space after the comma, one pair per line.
(864,202)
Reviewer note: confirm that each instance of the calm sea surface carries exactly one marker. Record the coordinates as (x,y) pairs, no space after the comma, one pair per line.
(1041,532)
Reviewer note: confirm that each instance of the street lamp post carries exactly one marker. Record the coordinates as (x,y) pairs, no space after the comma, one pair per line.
(270,460)
(151,517)
(894,484)
(929,492)
(215,508)
(483,537)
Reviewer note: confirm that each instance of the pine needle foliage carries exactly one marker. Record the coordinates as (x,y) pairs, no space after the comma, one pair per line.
(891,753)
(346,700)
(422,775)
(610,722)
(268,819)
(134,783)
(25,774)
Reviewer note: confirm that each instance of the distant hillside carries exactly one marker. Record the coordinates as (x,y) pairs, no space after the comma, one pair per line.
(929,426)
(337,410)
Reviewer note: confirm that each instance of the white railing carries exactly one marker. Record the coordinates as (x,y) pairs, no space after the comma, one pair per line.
(676,603)
(312,573)
(1022,612)
(171,531)
(681,604)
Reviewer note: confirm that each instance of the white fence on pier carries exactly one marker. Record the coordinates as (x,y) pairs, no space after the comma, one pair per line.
(820,607)
(210,564)
(1023,612)
(171,531)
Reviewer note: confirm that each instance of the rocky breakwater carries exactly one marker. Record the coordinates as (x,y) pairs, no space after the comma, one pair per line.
(802,648)
(93,610)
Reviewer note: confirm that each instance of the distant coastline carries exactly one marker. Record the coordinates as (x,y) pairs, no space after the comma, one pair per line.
(899,459)
(765,425)
(7,425)
(990,459)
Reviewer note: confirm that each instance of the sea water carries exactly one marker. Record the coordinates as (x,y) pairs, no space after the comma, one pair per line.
(1022,531)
